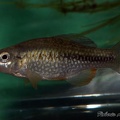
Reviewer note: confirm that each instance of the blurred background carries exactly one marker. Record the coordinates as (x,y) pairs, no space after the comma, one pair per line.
(21,20)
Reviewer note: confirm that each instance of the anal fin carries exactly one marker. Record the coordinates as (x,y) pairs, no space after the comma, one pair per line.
(83,78)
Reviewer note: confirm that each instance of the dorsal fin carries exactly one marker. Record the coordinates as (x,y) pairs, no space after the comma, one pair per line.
(78,38)
(116,46)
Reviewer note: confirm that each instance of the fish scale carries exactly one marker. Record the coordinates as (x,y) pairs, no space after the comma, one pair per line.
(63,63)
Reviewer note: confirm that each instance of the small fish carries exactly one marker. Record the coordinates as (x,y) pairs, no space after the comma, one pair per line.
(65,57)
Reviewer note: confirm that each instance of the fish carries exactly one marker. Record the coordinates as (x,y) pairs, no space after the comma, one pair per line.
(70,57)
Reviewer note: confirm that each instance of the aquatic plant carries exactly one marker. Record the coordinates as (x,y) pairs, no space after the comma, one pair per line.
(66,6)
(87,6)
(79,6)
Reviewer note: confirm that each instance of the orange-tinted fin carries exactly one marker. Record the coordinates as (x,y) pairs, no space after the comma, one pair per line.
(33,78)
(83,78)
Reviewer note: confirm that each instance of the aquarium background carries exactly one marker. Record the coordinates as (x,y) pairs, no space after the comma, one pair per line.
(21,20)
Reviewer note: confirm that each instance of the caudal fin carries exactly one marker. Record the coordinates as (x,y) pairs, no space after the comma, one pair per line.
(116,66)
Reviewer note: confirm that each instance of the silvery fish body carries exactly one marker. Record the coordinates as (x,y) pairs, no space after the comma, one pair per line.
(66,57)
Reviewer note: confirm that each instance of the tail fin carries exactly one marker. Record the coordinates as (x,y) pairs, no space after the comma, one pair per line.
(116,67)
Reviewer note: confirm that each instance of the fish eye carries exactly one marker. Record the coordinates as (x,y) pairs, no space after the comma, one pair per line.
(4,56)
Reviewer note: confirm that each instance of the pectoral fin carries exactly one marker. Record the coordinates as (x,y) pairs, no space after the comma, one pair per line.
(33,78)
(26,81)
(83,78)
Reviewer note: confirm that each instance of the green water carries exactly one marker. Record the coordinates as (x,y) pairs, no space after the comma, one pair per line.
(20,21)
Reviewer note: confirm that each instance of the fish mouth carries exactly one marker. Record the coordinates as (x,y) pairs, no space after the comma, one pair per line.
(5,67)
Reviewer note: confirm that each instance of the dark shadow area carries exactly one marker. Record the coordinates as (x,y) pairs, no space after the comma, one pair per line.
(65,108)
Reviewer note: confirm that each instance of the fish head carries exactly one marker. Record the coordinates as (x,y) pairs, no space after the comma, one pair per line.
(8,60)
